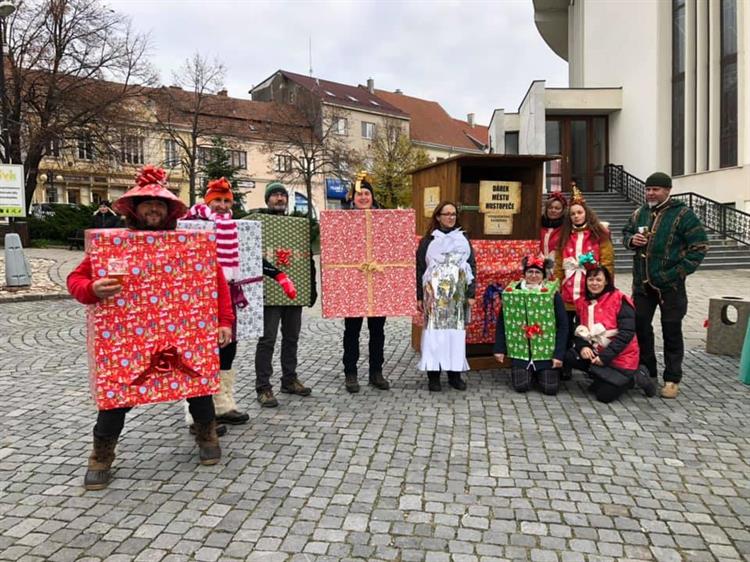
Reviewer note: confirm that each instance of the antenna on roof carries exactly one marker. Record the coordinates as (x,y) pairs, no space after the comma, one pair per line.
(309,52)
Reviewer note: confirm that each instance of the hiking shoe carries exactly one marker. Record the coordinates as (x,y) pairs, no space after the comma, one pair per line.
(295,387)
(267,399)
(378,381)
(670,390)
(233,417)
(351,383)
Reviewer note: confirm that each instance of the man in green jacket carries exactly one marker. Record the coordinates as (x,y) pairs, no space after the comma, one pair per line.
(669,243)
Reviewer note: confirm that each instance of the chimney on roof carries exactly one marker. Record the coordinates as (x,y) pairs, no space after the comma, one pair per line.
(222,93)
(371,85)
(397,91)
(174,87)
(470,120)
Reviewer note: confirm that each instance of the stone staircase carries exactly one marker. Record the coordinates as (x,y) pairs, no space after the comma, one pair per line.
(614,208)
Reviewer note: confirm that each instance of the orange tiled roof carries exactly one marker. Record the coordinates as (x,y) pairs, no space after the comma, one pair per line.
(430,123)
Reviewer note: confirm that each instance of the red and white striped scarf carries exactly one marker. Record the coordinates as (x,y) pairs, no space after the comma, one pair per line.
(227,238)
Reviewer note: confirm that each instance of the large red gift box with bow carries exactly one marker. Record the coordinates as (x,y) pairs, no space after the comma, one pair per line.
(498,265)
(156,340)
(368,263)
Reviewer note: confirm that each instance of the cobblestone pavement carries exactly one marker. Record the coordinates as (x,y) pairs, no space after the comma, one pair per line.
(400,475)
(49,269)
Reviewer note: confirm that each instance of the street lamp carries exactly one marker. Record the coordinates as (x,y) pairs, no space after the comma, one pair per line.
(7,7)
(51,190)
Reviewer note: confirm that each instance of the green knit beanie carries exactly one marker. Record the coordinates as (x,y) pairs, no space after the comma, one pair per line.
(275,187)
(659,179)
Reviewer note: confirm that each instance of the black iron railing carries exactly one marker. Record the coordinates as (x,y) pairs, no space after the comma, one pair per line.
(723,219)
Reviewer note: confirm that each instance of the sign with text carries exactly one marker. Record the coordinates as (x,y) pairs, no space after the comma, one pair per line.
(498,224)
(431,200)
(499,197)
(12,196)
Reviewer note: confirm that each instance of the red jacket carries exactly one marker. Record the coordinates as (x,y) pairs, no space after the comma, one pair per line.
(605,311)
(548,240)
(80,285)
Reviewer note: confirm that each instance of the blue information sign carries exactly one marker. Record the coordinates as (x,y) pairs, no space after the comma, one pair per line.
(336,188)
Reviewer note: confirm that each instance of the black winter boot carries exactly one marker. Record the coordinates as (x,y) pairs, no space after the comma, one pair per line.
(455,380)
(433,381)
(378,381)
(99,475)
(209,450)
(645,382)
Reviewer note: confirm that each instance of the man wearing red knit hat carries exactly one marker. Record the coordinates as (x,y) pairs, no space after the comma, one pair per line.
(217,207)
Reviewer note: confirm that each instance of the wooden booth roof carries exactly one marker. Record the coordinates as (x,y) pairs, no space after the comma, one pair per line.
(491,160)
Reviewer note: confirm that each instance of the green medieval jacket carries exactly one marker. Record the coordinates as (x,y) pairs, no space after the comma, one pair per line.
(676,246)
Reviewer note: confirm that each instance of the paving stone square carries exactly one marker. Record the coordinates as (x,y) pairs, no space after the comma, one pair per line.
(482,475)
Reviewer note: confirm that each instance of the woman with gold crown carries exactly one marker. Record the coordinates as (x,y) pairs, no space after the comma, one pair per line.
(584,240)
(362,197)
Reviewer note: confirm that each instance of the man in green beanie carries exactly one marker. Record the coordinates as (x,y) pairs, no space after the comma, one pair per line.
(288,318)
(670,243)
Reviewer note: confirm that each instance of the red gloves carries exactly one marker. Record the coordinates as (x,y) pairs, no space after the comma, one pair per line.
(286,285)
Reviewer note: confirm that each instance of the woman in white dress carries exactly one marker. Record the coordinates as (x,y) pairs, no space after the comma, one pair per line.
(445,294)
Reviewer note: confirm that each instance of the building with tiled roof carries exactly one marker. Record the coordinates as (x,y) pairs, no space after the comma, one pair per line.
(431,128)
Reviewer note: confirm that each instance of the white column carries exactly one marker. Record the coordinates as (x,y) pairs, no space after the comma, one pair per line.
(714,82)
(690,28)
(701,91)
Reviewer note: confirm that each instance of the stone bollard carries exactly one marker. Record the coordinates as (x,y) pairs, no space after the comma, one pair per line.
(726,336)
(17,270)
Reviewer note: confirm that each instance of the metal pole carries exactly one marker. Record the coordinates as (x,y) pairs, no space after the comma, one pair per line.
(3,102)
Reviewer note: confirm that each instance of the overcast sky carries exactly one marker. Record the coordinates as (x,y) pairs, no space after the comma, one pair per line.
(470,56)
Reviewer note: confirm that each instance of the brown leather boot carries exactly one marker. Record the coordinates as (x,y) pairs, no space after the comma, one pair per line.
(99,475)
(209,450)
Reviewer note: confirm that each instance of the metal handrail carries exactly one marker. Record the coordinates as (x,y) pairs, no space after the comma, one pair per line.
(723,219)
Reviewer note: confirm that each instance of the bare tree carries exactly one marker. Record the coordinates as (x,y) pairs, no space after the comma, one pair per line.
(392,156)
(305,143)
(73,68)
(183,111)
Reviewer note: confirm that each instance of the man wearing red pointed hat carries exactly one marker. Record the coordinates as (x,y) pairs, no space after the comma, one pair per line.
(148,206)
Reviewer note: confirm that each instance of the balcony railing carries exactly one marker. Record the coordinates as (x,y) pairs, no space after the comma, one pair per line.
(723,219)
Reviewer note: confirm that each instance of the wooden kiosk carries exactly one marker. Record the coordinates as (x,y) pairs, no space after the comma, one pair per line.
(499,200)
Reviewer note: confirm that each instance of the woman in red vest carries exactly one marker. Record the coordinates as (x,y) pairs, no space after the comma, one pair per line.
(605,346)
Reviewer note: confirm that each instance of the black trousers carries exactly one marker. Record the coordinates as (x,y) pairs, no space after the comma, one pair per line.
(109,423)
(523,379)
(609,383)
(227,355)
(673,306)
(352,328)
(290,318)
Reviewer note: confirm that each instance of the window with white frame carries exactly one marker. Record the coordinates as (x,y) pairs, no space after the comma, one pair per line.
(368,130)
(340,125)
(85,147)
(203,155)
(171,159)
(132,149)
(53,148)
(238,159)
(283,163)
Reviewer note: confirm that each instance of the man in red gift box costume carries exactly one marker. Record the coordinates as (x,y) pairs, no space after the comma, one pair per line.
(148,206)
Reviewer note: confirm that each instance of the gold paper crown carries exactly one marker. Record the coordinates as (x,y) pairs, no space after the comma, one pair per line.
(578,198)
(361,176)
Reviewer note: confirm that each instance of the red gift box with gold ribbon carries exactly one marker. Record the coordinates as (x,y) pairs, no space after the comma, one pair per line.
(155,341)
(368,263)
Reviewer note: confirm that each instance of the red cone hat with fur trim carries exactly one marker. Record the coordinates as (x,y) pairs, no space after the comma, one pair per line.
(150,184)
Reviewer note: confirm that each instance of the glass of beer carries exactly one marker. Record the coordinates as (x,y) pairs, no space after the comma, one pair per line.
(117,269)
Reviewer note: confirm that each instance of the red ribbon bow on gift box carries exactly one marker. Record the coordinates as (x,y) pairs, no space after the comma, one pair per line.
(283,257)
(163,362)
(532,331)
